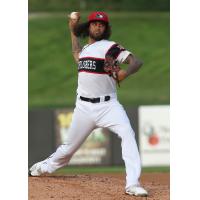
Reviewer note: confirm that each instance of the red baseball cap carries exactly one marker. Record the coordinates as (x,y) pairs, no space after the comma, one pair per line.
(98,16)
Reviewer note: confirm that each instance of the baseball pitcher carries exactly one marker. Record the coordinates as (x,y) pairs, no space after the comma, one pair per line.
(99,73)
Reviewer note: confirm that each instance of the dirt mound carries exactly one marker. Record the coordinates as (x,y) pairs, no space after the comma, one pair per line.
(96,186)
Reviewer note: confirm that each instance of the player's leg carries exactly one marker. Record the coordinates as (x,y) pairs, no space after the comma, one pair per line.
(117,121)
(80,128)
(130,155)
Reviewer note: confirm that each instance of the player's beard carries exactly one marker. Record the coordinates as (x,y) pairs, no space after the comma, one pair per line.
(96,37)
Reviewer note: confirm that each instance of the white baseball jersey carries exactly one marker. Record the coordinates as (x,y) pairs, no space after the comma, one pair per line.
(93,81)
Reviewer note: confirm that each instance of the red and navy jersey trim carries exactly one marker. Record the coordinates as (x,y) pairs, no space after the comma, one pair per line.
(91,65)
(89,57)
(93,72)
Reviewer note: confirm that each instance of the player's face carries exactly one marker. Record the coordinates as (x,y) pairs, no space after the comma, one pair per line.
(96,30)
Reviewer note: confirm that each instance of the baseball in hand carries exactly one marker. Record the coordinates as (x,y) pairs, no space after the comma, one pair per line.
(74,15)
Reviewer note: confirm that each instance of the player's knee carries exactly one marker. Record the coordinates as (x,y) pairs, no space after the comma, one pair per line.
(126,131)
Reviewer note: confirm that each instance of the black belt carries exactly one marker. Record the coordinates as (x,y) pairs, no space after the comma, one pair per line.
(94,100)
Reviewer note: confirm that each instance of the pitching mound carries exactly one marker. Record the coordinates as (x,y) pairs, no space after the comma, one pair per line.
(96,186)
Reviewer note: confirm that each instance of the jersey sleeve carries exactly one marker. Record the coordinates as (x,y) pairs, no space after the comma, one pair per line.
(118,52)
(123,55)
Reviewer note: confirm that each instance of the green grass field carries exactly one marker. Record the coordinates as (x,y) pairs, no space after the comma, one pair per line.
(113,169)
(53,73)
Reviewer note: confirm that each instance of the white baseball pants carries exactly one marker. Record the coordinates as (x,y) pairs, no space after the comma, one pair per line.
(88,116)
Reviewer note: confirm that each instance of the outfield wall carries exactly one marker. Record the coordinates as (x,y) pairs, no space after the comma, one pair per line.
(48,129)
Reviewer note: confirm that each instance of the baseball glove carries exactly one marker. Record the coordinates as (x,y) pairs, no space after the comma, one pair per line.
(111,66)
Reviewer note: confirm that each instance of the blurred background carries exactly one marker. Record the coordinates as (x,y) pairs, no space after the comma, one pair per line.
(142,27)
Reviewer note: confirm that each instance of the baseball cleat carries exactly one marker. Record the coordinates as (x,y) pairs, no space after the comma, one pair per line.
(35,170)
(136,191)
